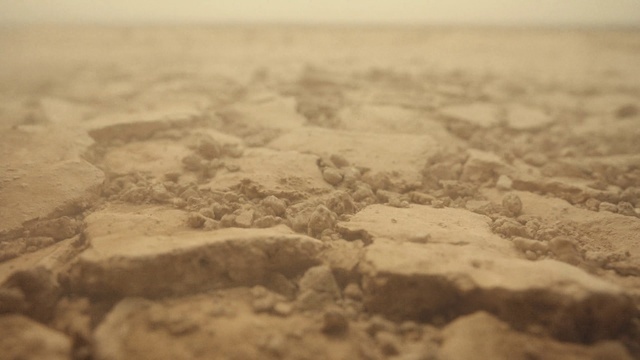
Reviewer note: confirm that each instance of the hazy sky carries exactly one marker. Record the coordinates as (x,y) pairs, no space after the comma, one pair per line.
(581,12)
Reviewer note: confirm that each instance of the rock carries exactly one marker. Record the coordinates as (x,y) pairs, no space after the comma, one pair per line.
(262,110)
(318,288)
(320,220)
(320,279)
(23,338)
(277,206)
(365,151)
(190,328)
(606,206)
(482,166)
(334,323)
(189,261)
(339,161)
(374,222)
(522,117)
(482,336)
(512,204)
(332,176)
(141,125)
(155,157)
(480,114)
(44,166)
(420,282)
(504,182)
(265,172)
(245,219)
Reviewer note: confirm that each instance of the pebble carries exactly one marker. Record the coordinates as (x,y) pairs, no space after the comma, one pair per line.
(332,175)
(512,204)
(504,182)
(607,206)
(334,323)
(339,160)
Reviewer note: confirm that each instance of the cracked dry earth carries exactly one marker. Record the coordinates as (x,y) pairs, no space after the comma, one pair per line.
(319,193)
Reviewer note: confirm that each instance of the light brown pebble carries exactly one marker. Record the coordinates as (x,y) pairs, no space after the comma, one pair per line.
(334,323)
(339,160)
(196,220)
(504,183)
(625,208)
(209,148)
(512,204)
(607,206)
(388,342)
(332,176)
(283,309)
(352,291)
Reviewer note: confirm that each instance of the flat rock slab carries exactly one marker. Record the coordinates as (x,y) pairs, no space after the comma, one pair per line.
(150,157)
(480,114)
(125,221)
(289,174)
(264,110)
(155,265)
(482,336)
(425,224)
(608,233)
(220,326)
(140,125)
(23,338)
(42,176)
(424,281)
(521,117)
(378,152)
(389,119)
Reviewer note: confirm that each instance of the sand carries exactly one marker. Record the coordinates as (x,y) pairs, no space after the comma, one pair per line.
(299,192)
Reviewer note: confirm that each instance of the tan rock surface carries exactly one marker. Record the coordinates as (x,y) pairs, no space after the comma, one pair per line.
(189,261)
(482,336)
(288,192)
(23,338)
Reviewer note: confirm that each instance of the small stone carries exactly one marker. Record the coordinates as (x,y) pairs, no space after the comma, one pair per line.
(512,204)
(192,162)
(334,323)
(209,148)
(378,323)
(565,250)
(625,208)
(363,192)
(332,175)
(23,338)
(607,206)
(388,342)
(321,219)
(320,279)
(420,238)
(339,161)
(196,220)
(283,309)
(504,182)
(277,206)
(535,159)
(264,304)
(592,204)
(245,219)
(626,111)
(353,291)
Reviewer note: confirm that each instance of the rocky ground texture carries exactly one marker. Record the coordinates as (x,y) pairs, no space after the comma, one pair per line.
(319,193)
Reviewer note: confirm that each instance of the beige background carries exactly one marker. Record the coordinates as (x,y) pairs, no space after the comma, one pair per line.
(545,12)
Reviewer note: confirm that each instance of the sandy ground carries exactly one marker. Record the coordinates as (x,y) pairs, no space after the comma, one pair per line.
(319,193)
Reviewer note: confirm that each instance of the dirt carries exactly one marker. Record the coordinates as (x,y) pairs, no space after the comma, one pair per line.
(280,192)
